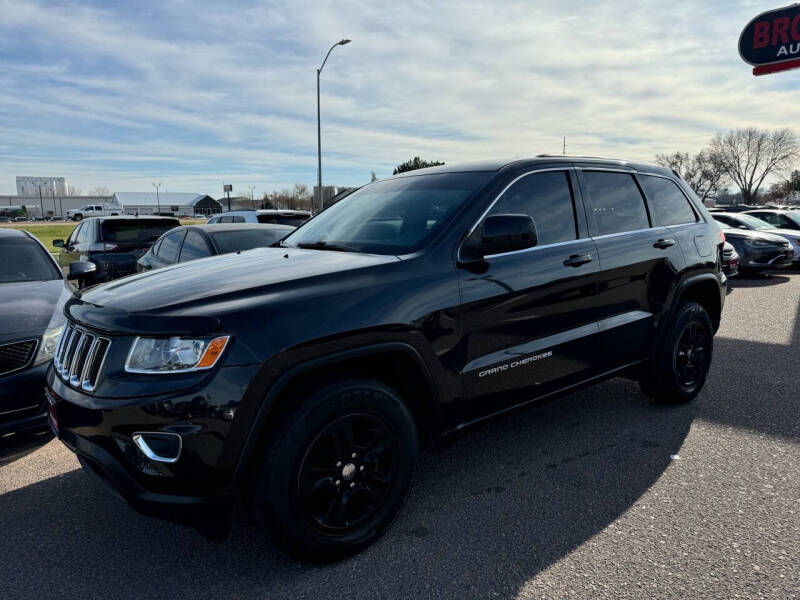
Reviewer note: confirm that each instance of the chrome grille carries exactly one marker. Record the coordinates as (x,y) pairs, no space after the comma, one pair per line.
(79,357)
(16,356)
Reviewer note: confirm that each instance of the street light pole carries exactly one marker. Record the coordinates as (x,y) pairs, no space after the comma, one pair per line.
(41,203)
(319,127)
(158,198)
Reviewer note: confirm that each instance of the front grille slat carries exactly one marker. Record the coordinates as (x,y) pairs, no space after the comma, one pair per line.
(16,356)
(79,357)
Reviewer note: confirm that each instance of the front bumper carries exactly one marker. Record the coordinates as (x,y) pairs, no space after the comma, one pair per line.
(195,490)
(769,259)
(22,403)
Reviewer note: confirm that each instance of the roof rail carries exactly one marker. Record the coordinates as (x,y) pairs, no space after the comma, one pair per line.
(583,156)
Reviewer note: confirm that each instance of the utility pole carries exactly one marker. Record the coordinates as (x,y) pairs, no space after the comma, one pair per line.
(55,208)
(564,148)
(252,194)
(319,127)
(158,198)
(41,203)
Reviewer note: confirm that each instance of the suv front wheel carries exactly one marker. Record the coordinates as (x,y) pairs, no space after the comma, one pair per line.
(678,371)
(338,471)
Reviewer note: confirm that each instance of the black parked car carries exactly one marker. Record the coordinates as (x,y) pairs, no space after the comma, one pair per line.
(307,376)
(113,244)
(32,296)
(190,242)
(758,250)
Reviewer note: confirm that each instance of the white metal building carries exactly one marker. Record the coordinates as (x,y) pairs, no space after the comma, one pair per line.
(167,203)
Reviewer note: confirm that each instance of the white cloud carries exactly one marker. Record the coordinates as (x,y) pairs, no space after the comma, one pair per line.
(194,93)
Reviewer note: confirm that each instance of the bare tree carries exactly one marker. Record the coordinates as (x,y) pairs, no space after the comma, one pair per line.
(100,191)
(704,172)
(372,176)
(748,156)
(73,191)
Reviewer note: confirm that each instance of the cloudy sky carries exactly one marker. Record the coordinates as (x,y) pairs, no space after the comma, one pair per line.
(121,94)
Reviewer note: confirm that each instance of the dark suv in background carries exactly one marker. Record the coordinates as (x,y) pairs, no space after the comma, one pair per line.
(113,244)
(306,377)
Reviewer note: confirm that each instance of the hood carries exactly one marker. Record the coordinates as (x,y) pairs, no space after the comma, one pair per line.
(228,281)
(789,234)
(31,307)
(748,234)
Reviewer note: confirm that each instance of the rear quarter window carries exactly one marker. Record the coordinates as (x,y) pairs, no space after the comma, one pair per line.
(667,203)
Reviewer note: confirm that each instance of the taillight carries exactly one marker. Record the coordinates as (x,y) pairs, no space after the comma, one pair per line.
(722,236)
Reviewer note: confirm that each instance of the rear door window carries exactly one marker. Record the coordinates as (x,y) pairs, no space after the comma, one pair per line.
(667,203)
(194,247)
(615,203)
(168,252)
(547,198)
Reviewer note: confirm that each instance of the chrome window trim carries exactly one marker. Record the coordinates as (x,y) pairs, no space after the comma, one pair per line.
(36,342)
(543,246)
(565,169)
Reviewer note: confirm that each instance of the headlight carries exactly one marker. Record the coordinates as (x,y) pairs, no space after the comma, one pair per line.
(174,354)
(48,346)
(759,243)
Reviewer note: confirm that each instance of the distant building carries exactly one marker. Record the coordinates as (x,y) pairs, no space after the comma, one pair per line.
(167,203)
(53,205)
(29,186)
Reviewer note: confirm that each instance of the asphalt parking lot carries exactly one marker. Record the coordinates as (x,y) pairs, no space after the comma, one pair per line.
(595,495)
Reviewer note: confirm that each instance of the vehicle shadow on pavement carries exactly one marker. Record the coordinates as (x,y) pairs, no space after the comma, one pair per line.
(487,514)
(755,281)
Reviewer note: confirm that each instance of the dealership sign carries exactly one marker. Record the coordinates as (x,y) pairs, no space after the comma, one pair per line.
(771,41)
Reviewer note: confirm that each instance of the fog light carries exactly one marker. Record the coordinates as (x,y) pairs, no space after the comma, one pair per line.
(159,446)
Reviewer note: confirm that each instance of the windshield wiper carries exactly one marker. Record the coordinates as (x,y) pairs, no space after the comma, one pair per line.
(326,246)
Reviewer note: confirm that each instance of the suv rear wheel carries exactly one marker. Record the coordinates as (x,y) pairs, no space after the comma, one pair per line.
(338,471)
(679,369)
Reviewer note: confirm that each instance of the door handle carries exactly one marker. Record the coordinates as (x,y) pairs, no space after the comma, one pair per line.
(664,243)
(576,260)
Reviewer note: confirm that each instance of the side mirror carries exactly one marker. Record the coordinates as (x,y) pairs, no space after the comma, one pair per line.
(80,269)
(58,243)
(507,233)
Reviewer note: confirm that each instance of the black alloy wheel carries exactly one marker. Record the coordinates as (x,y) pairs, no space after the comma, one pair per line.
(338,470)
(691,358)
(346,473)
(678,371)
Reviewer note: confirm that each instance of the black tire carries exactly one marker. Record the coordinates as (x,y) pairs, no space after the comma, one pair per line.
(77,217)
(678,372)
(325,494)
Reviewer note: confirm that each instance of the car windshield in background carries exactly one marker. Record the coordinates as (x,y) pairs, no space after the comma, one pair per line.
(293,220)
(395,216)
(754,223)
(135,230)
(237,240)
(24,260)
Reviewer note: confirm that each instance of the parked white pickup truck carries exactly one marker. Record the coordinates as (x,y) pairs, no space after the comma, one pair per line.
(94,210)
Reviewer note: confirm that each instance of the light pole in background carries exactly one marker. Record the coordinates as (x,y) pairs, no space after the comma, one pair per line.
(252,189)
(158,198)
(319,129)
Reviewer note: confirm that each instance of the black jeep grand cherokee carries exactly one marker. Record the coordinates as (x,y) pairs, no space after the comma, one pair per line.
(305,377)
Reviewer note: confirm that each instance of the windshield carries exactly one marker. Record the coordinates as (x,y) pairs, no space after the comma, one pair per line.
(396,216)
(246,239)
(25,260)
(753,222)
(136,230)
